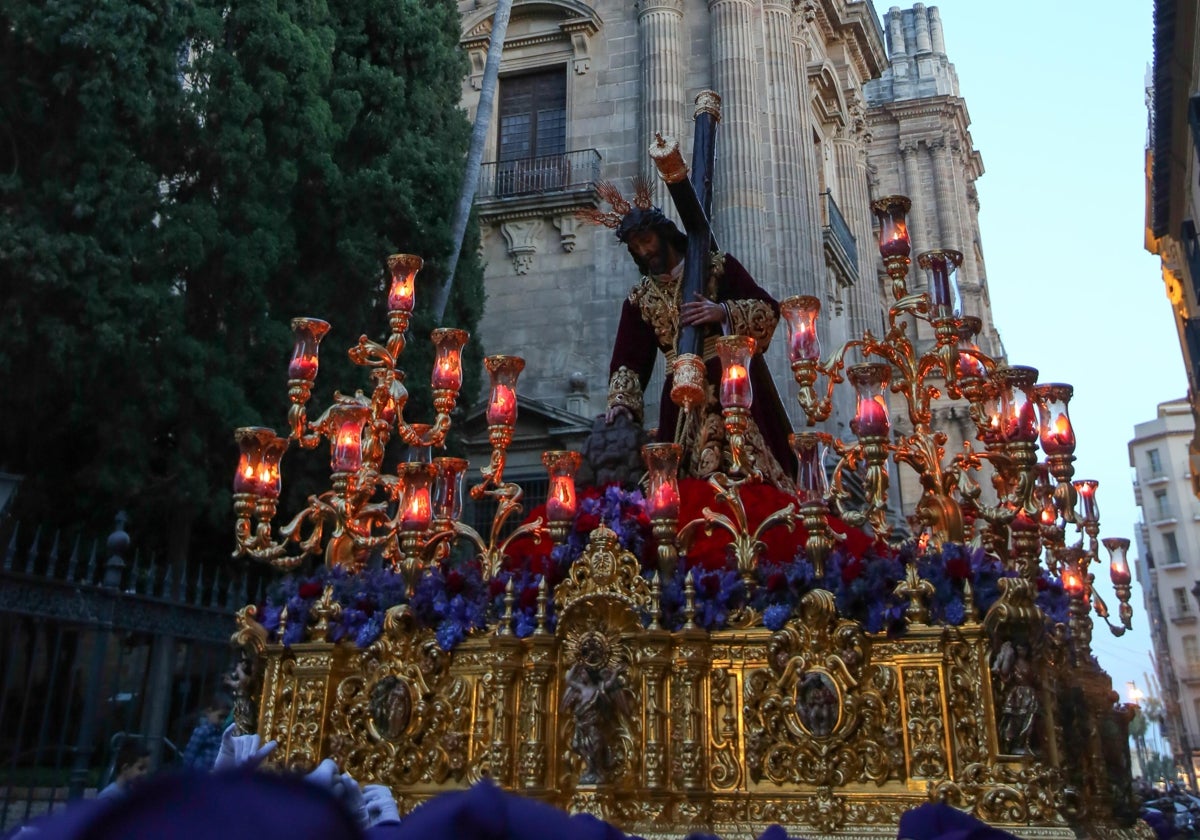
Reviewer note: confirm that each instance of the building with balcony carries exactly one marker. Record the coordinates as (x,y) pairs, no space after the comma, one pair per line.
(823,110)
(1168,566)
(1172,200)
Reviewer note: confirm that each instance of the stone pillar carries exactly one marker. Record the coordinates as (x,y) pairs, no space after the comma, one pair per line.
(895,24)
(917,233)
(924,42)
(812,258)
(949,235)
(660,38)
(851,197)
(936,37)
(737,190)
(792,221)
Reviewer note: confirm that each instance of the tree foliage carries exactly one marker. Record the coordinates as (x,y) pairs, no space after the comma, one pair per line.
(177,181)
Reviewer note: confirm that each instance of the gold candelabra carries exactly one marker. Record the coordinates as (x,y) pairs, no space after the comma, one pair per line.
(1036,500)
(408,517)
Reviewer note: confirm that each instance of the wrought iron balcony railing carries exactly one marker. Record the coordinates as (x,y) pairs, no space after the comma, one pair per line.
(837,236)
(544,174)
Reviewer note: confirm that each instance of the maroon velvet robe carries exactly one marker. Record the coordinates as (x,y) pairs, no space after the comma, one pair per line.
(638,342)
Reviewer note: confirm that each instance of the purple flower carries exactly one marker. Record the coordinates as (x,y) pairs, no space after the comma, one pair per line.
(775,617)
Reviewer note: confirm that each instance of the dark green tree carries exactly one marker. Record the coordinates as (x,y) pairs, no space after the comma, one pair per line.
(90,104)
(295,146)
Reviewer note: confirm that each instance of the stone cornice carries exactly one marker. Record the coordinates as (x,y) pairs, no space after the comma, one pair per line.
(536,205)
(855,24)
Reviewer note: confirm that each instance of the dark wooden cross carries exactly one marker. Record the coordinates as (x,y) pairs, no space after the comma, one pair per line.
(693,199)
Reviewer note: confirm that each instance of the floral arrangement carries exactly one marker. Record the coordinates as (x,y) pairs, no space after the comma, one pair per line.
(454,600)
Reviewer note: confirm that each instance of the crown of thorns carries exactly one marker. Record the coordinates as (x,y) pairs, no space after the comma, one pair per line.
(642,200)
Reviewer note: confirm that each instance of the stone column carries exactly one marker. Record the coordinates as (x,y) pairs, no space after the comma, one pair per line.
(936,37)
(895,23)
(917,233)
(812,259)
(660,39)
(792,221)
(924,42)
(949,235)
(738,209)
(852,201)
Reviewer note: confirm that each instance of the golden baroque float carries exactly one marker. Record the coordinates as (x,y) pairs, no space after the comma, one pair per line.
(597,706)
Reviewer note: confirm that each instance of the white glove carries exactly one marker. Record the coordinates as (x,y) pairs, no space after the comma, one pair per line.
(325,775)
(241,750)
(381,806)
(352,798)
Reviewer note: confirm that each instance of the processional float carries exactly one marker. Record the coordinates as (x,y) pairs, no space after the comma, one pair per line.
(424,657)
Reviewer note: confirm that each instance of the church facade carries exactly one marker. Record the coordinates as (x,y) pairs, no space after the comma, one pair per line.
(823,109)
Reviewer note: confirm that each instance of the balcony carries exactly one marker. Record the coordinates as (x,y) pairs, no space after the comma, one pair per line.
(1189,672)
(841,251)
(546,184)
(1182,615)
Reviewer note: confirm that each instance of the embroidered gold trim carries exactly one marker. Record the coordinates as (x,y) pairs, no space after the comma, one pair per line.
(625,389)
(658,301)
(754,318)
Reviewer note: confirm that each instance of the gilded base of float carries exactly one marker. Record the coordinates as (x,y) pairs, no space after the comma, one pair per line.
(820,727)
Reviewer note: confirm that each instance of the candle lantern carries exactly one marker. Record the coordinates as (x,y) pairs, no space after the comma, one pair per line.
(447,363)
(662,499)
(1072,579)
(561,505)
(735,352)
(502,402)
(800,314)
(448,488)
(258,463)
(1089,510)
(346,422)
(1118,569)
(941,265)
(812,485)
(307,333)
(894,243)
(1057,436)
(969,365)
(1018,417)
(416,506)
(402,291)
(662,492)
(1118,566)
(870,383)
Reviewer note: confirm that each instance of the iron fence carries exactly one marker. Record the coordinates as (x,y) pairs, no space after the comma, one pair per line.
(99,647)
(835,223)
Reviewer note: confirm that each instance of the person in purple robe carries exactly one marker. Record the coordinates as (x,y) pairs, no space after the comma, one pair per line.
(651,318)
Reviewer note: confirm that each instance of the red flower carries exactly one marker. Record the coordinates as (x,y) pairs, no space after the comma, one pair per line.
(958,568)
(852,571)
(311,589)
(643,519)
(776,581)
(1042,584)
(455,582)
(495,587)
(585,522)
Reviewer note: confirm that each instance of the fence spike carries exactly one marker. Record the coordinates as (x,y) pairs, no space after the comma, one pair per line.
(52,557)
(215,590)
(92,570)
(73,560)
(32,553)
(168,583)
(10,555)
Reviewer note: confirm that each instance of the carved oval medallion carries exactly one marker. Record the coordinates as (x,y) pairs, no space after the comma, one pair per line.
(391,708)
(818,703)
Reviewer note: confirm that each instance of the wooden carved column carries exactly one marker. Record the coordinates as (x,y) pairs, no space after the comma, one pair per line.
(506,665)
(533,761)
(655,663)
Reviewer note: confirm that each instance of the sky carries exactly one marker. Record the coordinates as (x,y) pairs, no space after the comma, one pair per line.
(1056,95)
